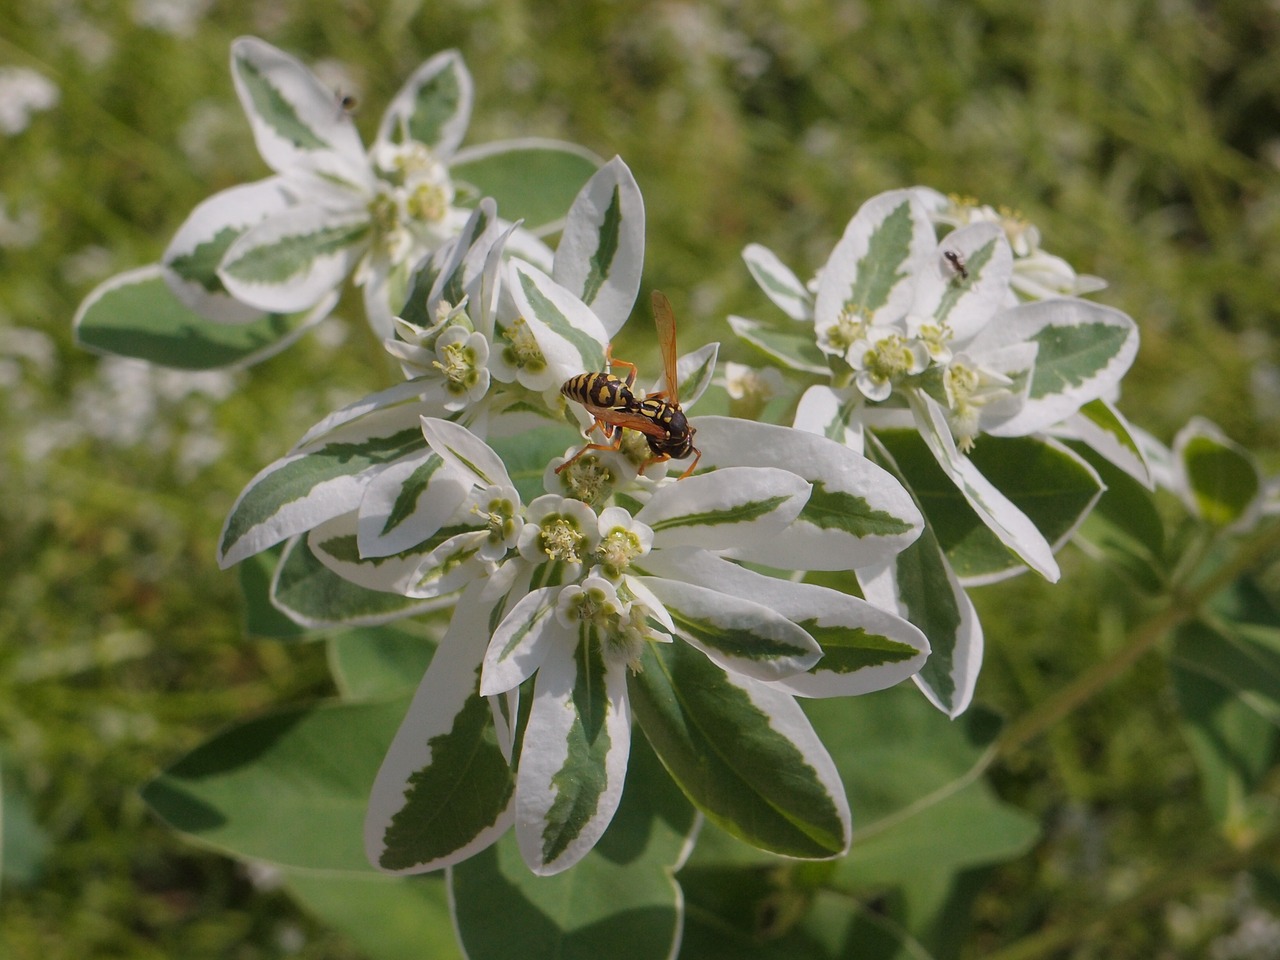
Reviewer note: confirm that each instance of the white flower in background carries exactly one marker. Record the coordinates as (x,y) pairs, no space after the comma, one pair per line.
(176,17)
(23,93)
(333,208)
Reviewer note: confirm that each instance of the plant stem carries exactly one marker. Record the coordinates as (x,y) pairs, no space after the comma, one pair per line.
(1182,606)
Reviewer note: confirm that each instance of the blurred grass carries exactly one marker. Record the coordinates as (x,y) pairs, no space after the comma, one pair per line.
(1142,138)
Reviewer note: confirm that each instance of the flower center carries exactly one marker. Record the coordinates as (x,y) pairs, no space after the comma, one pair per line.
(560,539)
(500,517)
(889,359)
(458,364)
(588,479)
(617,550)
(522,350)
(849,328)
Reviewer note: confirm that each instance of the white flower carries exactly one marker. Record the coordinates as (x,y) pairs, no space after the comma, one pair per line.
(23,92)
(332,208)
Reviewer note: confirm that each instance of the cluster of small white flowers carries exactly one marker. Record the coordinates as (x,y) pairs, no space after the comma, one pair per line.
(23,93)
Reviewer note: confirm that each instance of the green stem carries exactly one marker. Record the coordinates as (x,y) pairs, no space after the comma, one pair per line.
(1182,606)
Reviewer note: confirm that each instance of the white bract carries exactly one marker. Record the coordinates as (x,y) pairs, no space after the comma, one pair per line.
(607,563)
(331,209)
(916,333)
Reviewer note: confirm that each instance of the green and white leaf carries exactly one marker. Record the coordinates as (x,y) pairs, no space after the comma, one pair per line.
(743,752)
(313,595)
(412,397)
(137,314)
(1100,425)
(856,512)
(601,250)
(864,648)
(471,458)
(571,337)
(779,284)
(520,643)
(832,414)
(621,901)
(920,585)
(444,790)
(296,119)
(874,267)
(196,250)
(574,757)
(729,508)
(694,372)
(301,491)
(1083,351)
(433,107)
(1218,479)
(292,260)
(448,567)
(790,345)
(407,502)
(739,634)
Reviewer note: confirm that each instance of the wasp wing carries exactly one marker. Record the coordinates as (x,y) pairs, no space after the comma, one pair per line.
(664,319)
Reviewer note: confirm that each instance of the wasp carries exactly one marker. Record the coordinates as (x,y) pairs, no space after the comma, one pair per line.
(609,399)
(957,263)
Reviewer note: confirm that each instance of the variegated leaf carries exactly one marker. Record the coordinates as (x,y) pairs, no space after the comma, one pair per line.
(295,118)
(873,268)
(407,502)
(291,260)
(832,414)
(521,641)
(472,458)
(856,513)
(313,595)
(571,337)
(1100,425)
(1218,479)
(864,648)
(779,284)
(743,752)
(733,507)
(303,490)
(1083,351)
(964,293)
(433,107)
(196,250)
(920,585)
(418,819)
(792,346)
(1010,525)
(601,250)
(741,635)
(574,757)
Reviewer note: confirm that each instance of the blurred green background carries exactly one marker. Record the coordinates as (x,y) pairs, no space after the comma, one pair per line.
(1143,138)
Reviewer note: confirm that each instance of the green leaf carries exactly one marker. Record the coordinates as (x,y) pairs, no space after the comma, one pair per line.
(911,777)
(741,752)
(1070,356)
(136,314)
(374,662)
(1125,526)
(1223,485)
(412,912)
(619,901)
(289,788)
(262,617)
(531,180)
(25,844)
(1228,688)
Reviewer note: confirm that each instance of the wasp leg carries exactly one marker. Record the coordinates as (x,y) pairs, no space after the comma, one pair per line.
(615,447)
(610,363)
(692,465)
